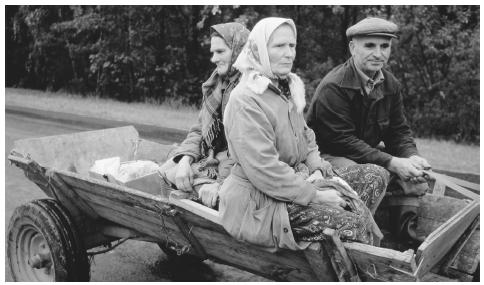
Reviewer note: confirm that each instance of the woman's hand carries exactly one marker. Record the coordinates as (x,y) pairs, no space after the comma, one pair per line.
(184,174)
(315,176)
(208,193)
(329,197)
(326,169)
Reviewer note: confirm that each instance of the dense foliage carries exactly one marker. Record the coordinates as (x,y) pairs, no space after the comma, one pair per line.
(155,53)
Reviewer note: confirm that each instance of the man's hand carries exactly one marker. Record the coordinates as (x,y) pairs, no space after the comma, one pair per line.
(208,193)
(420,163)
(184,174)
(406,170)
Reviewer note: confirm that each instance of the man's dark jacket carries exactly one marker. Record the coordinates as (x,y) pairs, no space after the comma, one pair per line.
(351,124)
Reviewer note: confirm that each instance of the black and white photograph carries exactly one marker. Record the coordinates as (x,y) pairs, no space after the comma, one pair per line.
(242,143)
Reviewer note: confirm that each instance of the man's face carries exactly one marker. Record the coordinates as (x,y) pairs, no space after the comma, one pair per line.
(221,55)
(370,53)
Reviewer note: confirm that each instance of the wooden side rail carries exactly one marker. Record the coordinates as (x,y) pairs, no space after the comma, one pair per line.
(441,240)
(442,181)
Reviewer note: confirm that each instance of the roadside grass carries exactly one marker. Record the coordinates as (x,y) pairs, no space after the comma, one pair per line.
(445,155)
(168,115)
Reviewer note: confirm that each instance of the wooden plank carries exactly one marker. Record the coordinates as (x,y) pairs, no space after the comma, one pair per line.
(464,183)
(320,261)
(442,179)
(33,171)
(469,258)
(451,257)
(113,191)
(435,210)
(153,230)
(439,242)
(433,277)
(382,264)
(440,208)
(439,188)
(196,208)
(341,262)
(198,221)
(283,265)
(135,212)
(61,189)
(77,152)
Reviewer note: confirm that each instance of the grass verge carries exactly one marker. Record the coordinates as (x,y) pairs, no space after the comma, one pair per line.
(446,155)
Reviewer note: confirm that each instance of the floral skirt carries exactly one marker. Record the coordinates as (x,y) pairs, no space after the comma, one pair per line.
(309,222)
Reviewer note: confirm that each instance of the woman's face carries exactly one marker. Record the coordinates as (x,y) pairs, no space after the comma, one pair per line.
(221,55)
(282,50)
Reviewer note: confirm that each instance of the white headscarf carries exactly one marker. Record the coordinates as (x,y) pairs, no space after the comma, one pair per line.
(254,64)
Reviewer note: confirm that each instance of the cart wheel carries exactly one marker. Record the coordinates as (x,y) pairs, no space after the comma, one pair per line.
(43,244)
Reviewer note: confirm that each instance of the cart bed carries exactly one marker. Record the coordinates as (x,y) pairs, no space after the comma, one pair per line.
(59,166)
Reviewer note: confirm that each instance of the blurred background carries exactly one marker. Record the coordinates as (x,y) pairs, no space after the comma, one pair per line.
(159,54)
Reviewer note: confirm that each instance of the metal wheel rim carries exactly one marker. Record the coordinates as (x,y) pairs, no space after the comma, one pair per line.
(31,242)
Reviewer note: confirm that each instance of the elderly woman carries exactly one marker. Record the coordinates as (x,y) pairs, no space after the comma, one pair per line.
(201,162)
(276,195)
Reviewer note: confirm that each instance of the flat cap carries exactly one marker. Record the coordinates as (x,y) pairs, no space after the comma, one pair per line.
(373,27)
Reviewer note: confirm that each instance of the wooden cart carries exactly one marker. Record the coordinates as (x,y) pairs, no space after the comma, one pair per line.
(48,239)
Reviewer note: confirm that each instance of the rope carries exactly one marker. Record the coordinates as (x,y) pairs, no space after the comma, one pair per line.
(177,247)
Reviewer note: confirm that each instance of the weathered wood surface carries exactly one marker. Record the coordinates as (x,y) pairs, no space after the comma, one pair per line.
(69,198)
(435,210)
(33,171)
(320,262)
(442,179)
(433,277)
(469,257)
(196,208)
(148,150)
(77,152)
(341,262)
(113,191)
(136,212)
(440,241)
(284,265)
(453,254)
(382,264)
(464,183)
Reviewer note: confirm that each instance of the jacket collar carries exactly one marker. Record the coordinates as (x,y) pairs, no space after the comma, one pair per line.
(351,78)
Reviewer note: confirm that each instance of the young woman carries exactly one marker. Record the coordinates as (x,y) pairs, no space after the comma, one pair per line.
(201,162)
(276,195)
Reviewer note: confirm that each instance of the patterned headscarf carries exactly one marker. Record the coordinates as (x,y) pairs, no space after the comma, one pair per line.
(216,89)
(235,36)
(253,62)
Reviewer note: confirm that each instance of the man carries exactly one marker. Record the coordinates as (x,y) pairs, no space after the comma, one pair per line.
(358,105)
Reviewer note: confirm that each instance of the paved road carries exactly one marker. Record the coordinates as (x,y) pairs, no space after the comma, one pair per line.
(133,260)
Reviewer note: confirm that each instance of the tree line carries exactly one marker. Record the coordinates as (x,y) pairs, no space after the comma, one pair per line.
(158,53)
